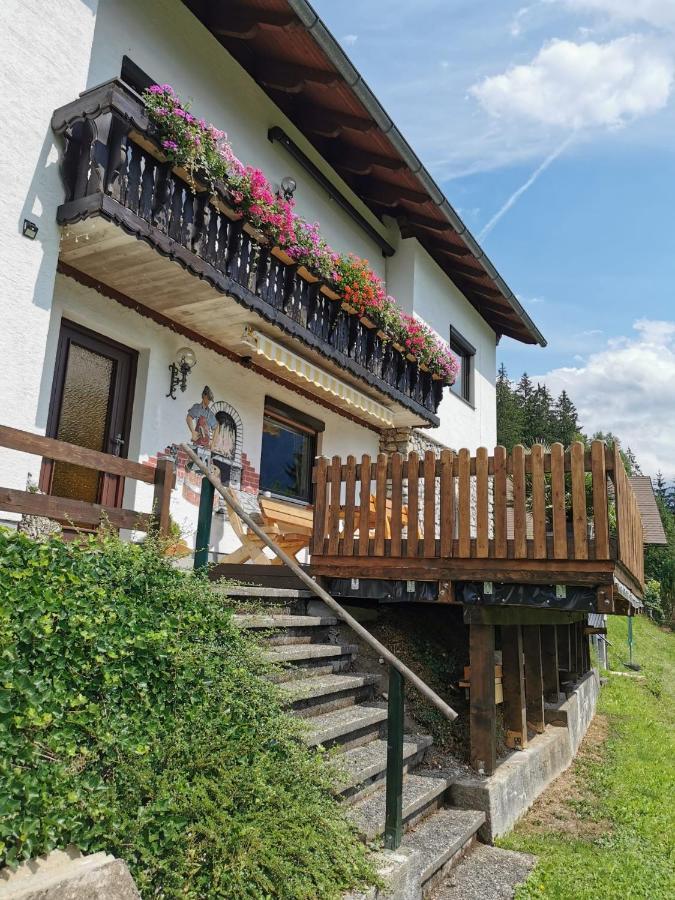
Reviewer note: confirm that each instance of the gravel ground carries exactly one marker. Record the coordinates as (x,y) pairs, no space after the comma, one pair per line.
(487,873)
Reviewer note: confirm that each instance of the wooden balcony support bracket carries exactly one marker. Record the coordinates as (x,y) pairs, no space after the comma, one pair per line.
(483,712)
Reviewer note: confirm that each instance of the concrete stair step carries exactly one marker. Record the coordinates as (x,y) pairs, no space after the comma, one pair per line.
(324,686)
(349,722)
(487,873)
(442,840)
(299,652)
(363,768)
(421,793)
(262,621)
(316,670)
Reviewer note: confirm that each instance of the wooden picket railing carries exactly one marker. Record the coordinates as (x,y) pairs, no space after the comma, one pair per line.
(80,513)
(540,505)
(629,530)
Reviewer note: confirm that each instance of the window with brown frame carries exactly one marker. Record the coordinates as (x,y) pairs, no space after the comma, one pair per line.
(465,353)
(289,443)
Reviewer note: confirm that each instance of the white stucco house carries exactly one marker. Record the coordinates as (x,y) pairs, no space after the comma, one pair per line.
(112,261)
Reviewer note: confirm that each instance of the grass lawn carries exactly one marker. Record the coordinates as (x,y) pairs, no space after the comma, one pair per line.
(606,827)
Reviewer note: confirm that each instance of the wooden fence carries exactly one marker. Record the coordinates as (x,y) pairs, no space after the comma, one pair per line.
(80,513)
(541,505)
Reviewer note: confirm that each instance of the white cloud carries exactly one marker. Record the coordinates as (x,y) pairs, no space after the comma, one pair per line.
(350,39)
(629,388)
(585,85)
(659,13)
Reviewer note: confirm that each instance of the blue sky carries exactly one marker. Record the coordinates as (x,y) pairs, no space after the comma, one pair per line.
(576,97)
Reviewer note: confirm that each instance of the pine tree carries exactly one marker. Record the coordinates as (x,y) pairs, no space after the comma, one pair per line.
(565,420)
(524,389)
(537,413)
(509,412)
(661,489)
(631,459)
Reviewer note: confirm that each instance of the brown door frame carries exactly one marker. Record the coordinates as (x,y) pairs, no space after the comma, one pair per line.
(123,383)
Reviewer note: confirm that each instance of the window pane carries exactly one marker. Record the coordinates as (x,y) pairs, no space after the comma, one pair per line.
(286,461)
(459,387)
(83,420)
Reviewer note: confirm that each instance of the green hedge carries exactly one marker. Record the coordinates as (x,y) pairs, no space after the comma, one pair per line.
(134,718)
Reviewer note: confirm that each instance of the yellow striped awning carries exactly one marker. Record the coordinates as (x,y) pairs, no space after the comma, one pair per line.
(286,359)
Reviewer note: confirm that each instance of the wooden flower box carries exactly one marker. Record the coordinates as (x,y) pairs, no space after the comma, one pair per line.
(348,308)
(282,256)
(147,144)
(332,295)
(197,186)
(367,323)
(255,233)
(306,275)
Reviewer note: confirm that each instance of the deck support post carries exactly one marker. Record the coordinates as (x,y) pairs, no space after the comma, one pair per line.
(563,641)
(534,679)
(203,537)
(393,821)
(513,684)
(483,712)
(164,481)
(549,662)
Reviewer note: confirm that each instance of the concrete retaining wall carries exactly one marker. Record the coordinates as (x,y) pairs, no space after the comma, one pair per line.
(522,777)
(68,875)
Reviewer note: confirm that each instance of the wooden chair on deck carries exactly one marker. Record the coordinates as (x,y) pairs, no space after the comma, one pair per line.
(287,524)
(372,518)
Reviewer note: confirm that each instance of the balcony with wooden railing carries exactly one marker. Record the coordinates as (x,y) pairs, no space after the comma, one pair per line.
(130,215)
(539,517)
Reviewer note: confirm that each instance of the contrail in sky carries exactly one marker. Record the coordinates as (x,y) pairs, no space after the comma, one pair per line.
(516,195)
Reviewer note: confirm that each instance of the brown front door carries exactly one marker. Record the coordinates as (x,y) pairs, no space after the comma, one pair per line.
(90,406)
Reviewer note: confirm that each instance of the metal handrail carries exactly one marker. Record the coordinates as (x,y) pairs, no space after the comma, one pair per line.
(322,594)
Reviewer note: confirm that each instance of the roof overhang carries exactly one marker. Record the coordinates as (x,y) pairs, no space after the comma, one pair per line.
(289,52)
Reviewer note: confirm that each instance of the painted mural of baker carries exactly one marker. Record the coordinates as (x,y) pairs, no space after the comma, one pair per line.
(201,421)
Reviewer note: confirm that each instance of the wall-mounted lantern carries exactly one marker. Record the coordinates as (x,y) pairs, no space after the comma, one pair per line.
(288,186)
(180,369)
(30,229)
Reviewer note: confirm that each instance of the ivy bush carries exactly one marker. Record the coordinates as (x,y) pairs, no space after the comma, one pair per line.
(135,718)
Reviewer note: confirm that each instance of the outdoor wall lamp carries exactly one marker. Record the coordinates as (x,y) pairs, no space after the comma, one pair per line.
(180,369)
(30,229)
(288,186)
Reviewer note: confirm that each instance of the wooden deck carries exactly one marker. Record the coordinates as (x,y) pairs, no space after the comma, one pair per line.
(558,517)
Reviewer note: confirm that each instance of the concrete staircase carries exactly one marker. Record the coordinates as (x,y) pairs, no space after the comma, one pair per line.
(320,679)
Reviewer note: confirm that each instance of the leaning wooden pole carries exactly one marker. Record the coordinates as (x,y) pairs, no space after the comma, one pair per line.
(318,591)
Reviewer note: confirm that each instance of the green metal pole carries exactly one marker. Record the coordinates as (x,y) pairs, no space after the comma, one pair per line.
(630,640)
(393,828)
(203,537)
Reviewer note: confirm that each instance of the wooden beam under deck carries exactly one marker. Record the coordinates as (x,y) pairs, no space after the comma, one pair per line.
(507,571)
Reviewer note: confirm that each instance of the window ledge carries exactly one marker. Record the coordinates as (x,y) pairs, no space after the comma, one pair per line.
(270,495)
(462,400)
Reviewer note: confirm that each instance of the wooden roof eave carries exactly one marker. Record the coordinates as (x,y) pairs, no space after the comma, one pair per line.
(289,51)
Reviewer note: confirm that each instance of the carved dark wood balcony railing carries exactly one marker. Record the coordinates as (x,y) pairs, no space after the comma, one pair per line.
(112,167)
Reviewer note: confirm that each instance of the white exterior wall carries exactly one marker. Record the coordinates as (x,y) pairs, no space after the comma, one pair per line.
(47,59)
(43,64)
(157,421)
(439,303)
